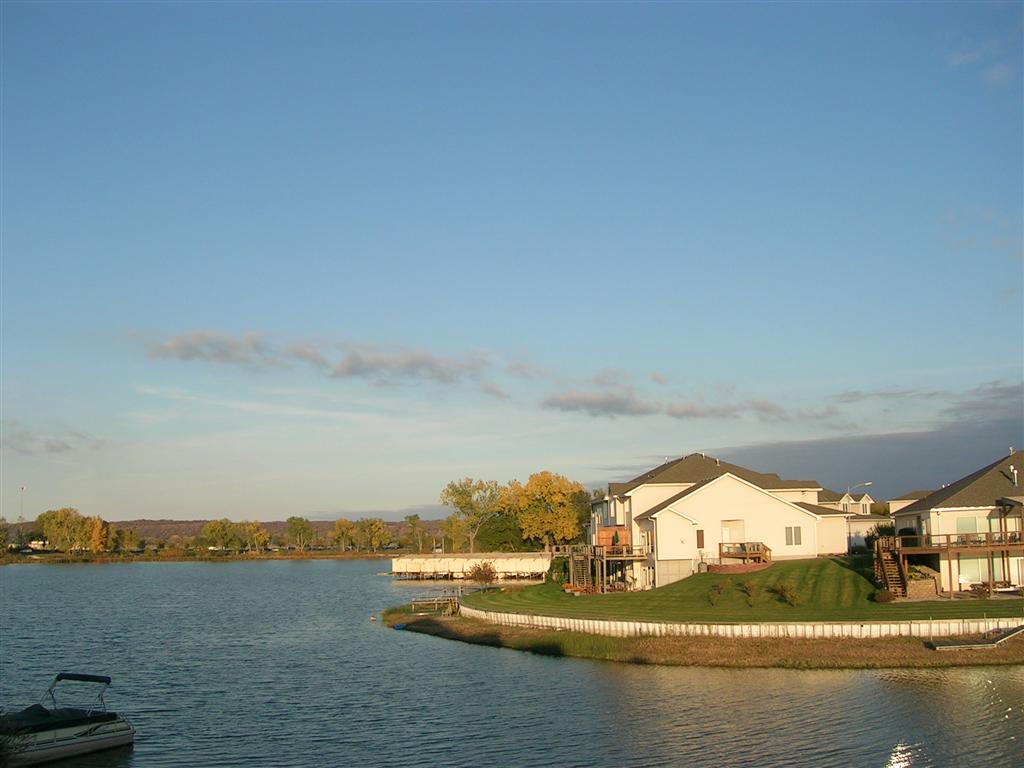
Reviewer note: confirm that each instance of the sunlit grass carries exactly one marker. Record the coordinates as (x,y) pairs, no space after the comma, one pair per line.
(828,590)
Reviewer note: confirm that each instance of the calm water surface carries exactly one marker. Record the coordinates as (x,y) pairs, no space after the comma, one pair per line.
(277,663)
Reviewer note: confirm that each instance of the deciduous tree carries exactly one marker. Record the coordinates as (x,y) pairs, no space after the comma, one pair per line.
(343,534)
(372,533)
(548,507)
(127,539)
(475,501)
(453,528)
(300,532)
(416,530)
(254,535)
(222,534)
(98,534)
(64,528)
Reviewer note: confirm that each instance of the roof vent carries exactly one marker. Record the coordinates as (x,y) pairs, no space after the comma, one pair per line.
(718,462)
(1013,471)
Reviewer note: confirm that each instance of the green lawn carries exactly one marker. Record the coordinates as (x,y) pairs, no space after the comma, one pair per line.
(828,590)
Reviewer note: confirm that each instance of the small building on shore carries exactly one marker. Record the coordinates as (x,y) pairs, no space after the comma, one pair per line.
(507,565)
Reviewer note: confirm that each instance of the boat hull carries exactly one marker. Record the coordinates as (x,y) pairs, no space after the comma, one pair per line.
(59,743)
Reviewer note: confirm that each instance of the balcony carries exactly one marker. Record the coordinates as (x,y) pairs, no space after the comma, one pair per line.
(747,551)
(945,542)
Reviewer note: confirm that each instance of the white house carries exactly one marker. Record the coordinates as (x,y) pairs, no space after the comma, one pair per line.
(699,510)
(970,530)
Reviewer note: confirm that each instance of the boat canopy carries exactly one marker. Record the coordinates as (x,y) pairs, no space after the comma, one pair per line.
(80,678)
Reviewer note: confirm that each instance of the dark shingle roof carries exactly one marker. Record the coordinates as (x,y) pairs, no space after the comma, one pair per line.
(912,495)
(983,488)
(697,468)
(827,494)
(816,510)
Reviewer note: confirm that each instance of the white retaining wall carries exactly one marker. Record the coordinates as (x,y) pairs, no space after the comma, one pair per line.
(796,629)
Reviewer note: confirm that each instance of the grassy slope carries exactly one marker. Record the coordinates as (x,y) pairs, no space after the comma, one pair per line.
(830,590)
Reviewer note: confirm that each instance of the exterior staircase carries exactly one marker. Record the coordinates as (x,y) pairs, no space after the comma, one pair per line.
(888,570)
(580,572)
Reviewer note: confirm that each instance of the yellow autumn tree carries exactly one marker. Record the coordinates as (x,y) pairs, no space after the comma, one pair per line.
(547,507)
(98,533)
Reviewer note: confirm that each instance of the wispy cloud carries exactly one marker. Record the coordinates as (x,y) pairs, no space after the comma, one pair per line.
(990,401)
(369,362)
(995,60)
(625,402)
(659,378)
(859,396)
(523,370)
(249,351)
(763,410)
(379,364)
(19,438)
(264,407)
(601,403)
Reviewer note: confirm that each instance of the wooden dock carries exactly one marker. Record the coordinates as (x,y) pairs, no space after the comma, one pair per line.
(973,645)
(443,567)
(445,605)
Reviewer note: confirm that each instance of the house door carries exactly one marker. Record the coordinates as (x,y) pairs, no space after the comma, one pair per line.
(732,531)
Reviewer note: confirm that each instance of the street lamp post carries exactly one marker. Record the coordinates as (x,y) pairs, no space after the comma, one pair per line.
(858,485)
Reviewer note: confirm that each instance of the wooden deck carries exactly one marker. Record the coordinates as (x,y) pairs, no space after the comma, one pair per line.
(747,551)
(994,541)
(948,546)
(972,645)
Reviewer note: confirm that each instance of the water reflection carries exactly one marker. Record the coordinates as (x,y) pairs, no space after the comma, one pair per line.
(277,663)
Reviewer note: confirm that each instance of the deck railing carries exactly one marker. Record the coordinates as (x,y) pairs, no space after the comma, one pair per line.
(747,550)
(609,551)
(952,540)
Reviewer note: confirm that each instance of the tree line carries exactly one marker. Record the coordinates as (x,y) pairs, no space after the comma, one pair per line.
(67,530)
(547,509)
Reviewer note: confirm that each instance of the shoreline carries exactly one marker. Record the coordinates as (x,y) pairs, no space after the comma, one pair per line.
(730,653)
(60,559)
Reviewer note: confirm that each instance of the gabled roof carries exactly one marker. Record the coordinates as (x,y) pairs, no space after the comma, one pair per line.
(913,495)
(697,468)
(811,508)
(983,488)
(814,509)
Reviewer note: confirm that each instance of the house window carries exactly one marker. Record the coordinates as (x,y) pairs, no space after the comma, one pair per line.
(700,539)
(846,507)
(792,535)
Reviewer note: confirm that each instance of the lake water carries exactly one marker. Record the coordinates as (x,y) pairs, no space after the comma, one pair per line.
(277,663)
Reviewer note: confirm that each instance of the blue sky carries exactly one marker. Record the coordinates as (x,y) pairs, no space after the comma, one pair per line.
(322,258)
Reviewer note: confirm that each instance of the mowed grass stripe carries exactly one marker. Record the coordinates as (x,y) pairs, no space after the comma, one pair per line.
(828,590)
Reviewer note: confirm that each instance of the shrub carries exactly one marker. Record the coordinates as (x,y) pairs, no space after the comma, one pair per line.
(750,590)
(559,570)
(884,596)
(483,572)
(788,593)
(716,591)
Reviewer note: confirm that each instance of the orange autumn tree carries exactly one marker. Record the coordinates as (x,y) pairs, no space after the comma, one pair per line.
(548,507)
